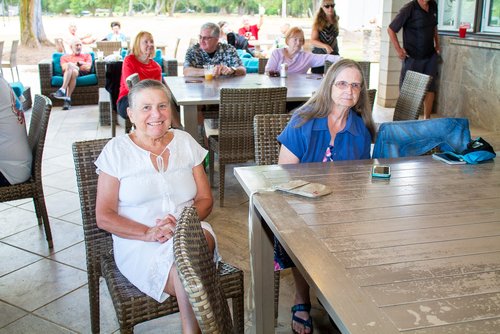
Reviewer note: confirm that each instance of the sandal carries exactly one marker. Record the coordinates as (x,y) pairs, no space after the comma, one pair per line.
(306,323)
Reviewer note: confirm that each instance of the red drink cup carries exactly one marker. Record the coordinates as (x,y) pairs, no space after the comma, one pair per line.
(461,31)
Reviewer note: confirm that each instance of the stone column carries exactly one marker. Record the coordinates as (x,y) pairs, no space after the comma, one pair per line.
(390,64)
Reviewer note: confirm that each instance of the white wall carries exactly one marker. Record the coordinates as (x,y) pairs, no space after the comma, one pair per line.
(355,14)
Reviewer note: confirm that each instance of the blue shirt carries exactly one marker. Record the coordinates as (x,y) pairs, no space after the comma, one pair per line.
(310,141)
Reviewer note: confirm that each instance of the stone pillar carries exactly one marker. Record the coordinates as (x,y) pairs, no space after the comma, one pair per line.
(390,64)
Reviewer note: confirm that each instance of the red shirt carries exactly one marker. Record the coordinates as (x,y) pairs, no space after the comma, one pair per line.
(82,57)
(253,30)
(131,65)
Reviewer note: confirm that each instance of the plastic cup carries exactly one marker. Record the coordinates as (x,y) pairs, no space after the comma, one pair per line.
(462,31)
(209,71)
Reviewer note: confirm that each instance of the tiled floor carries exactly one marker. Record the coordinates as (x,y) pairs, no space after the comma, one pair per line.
(44,291)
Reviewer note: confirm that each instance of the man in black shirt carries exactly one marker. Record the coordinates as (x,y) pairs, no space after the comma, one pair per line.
(420,50)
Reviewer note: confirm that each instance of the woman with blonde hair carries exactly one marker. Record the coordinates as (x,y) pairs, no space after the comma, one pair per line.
(139,61)
(325,31)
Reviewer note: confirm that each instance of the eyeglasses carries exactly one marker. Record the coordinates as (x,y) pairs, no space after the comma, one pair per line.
(345,85)
(205,38)
(329,6)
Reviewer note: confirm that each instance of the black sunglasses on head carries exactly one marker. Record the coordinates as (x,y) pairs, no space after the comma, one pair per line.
(329,6)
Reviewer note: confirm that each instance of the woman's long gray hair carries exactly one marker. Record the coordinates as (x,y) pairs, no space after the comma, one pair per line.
(319,105)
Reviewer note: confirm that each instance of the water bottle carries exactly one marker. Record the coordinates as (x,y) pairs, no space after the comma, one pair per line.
(283,70)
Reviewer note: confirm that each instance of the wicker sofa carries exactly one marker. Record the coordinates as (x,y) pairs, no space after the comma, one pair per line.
(87,87)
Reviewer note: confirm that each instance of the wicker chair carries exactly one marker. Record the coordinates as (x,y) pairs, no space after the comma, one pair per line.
(33,187)
(131,305)
(235,142)
(132,79)
(198,275)
(371,97)
(108,47)
(411,97)
(365,68)
(12,62)
(82,94)
(266,129)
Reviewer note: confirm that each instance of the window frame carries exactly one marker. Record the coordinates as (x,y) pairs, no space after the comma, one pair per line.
(485,18)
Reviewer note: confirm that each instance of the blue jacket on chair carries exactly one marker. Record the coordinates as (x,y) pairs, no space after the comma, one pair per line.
(413,138)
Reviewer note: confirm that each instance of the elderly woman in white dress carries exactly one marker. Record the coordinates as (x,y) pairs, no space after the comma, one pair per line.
(296,59)
(146,178)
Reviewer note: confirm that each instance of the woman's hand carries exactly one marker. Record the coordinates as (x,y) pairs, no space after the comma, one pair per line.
(328,49)
(163,230)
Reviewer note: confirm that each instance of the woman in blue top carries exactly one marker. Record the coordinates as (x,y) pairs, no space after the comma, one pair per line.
(335,124)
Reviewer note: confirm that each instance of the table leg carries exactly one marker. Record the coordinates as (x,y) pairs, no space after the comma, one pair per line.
(262,267)
(189,119)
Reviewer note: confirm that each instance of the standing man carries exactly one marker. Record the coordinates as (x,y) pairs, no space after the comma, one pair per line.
(73,65)
(210,51)
(420,50)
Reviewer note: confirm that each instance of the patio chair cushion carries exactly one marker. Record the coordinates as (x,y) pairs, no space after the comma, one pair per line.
(18,89)
(84,80)
(251,64)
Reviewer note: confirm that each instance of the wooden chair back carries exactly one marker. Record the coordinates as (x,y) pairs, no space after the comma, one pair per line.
(411,96)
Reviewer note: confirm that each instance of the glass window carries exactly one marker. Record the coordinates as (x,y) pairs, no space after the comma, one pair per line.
(453,13)
(491,16)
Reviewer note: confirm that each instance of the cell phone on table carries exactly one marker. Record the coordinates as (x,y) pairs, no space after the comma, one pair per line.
(381,171)
(450,159)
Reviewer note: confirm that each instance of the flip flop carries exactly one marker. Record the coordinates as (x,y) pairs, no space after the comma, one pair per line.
(306,323)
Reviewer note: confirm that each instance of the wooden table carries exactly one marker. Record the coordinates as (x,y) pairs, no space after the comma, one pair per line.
(188,94)
(419,253)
